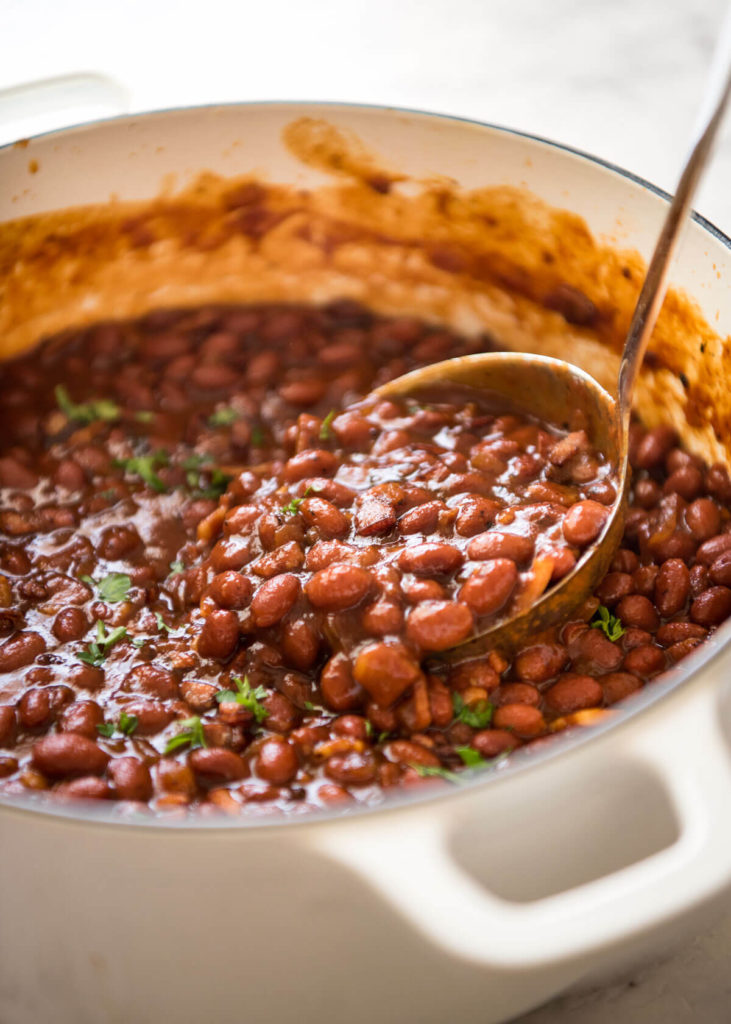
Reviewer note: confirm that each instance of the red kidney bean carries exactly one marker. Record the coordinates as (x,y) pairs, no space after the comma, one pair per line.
(67,753)
(317,462)
(82,717)
(374,518)
(677,651)
(583,522)
(614,587)
(215,764)
(383,617)
(300,644)
(709,551)
(515,693)
(494,742)
(407,753)
(539,663)
(638,611)
(20,650)
(673,632)
(277,761)
(325,517)
(672,587)
(130,778)
(592,652)
(340,691)
(489,587)
(339,586)
(501,545)
(118,542)
(720,570)
(644,661)
(712,606)
(8,723)
(152,716)
(230,589)
(70,624)
(199,696)
(624,561)
(438,625)
(647,493)
(475,514)
(87,788)
(654,447)
(274,599)
(232,552)
(352,769)
(618,685)
(703,518)
(572,693)
(522,719)
(154,680)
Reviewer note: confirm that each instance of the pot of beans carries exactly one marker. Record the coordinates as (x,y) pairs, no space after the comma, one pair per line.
(252,765)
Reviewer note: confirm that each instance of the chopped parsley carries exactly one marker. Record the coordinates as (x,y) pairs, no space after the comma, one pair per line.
(470,757)
(246,696)
(223,417)
(113,588)
(126,724)
(218,480)
(191,735)
(177,566)
(294,505)
(609,624)
(144,467)
(478,715)
(431,771)
(144,416)
(162,626)
(99,648)
(326,428)
(88,412)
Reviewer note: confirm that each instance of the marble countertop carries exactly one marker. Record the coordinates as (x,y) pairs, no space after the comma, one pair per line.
(620,80)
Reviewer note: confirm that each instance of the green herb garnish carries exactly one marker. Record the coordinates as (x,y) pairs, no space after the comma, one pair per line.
(294,505)
(325,429)
(382,737)
(97,409)
(144,416)
(257,436)
(430,771)
(163,627)
(218,482)
(470,757)
(98,649)
(191,735)
(223,417)
(177,566)
(609,624)
(113,588)
(478,715)
(246,696)
(126,724)
(144,467)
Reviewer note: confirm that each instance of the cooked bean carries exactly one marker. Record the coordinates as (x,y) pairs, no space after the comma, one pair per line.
(438,625)
(328,520)
(7,725)
(353,769)
(493,742)
(672,587)
(216,764)
(703,518)
(709,551)
(515,693)
(277,761)
(712,606)
(475,514)
(638,611)
(720,570)
(583,522)
(541,662)
(646,660)
(131,778)
(522,719)
(488,588)
(407,753)
(614,587)
(672,632)
(300,644)
(501,545)
(383,617)
(686,481)
(154,680)
(82,717)
(340,691)
(339,586)
(572,693)
(618,685)
(274,599)
(374,518)
(654,447)
(86,788)
(67,753)
(70,624)
(21,650)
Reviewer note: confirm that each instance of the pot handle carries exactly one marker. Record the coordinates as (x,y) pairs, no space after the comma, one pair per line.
(44,105)
(409,860)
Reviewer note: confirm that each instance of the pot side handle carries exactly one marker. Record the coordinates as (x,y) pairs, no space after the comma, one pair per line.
(47,104)
(409,861)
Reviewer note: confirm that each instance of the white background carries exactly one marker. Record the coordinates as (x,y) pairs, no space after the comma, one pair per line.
(617,78)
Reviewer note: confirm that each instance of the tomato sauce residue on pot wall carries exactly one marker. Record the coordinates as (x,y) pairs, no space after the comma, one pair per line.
(221,580)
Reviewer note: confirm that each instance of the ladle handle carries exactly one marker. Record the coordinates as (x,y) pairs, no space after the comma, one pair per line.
(710,115)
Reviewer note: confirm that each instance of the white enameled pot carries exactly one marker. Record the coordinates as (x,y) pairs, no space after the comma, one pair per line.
(473,904)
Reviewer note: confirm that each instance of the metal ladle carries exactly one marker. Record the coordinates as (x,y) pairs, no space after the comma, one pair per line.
(566,396)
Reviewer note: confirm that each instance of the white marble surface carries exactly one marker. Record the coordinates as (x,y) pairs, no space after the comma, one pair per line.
(618,78)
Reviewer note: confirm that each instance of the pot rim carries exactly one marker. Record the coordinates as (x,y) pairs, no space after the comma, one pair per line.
(524,760)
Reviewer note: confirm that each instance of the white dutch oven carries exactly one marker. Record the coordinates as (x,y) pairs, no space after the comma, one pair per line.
(474,904)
